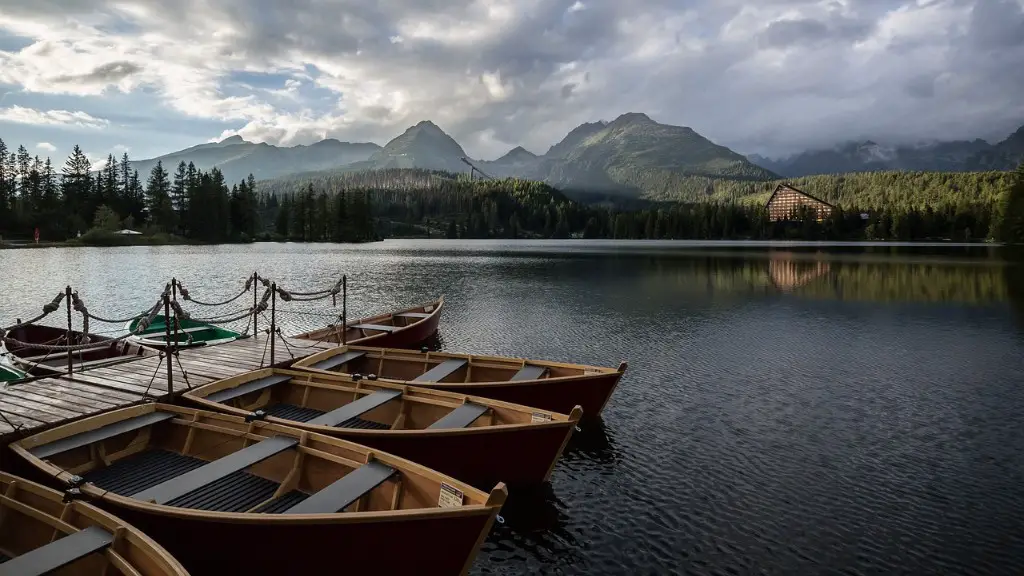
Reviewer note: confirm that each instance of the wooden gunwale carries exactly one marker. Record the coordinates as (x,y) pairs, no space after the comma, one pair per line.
(477,360)
(124,534)
(334,381)
(489,503)
(321,334)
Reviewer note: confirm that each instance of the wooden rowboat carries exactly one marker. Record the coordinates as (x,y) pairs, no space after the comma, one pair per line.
(227,496)
(42,534)
(548,385)
(34,359)
(478,440)
(402,329)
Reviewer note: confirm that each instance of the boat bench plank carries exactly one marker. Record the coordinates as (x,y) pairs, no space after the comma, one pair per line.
(339,359)
(60,552)
(211,472)
(381,327)
(243,389)
(413,315)
(460,417)
(101,433)
(353,409)
(528,372)
(344,491)
(441,371)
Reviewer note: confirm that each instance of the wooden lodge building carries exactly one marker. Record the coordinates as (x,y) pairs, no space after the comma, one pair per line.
(786,199)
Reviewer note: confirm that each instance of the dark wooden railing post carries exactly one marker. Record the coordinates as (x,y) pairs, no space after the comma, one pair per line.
(255,313)
(174,297)
(273,319)
(344,309)
(67,296)
(167,344)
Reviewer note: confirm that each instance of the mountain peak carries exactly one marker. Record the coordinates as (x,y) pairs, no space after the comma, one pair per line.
(231,140)
(517,154)
(632,118)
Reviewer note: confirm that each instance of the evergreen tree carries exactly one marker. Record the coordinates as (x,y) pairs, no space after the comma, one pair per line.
(76,190)
(158,198)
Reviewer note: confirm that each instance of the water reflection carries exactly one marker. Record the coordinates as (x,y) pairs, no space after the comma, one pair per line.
(594,442)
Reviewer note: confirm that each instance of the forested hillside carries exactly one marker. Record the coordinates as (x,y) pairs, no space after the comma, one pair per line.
(359,206)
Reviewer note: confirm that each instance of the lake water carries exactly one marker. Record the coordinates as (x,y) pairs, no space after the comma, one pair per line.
(792,409)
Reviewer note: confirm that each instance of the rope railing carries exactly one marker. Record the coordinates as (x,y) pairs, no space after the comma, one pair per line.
(185,295)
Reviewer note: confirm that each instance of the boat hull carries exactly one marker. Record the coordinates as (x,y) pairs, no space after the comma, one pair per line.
(410,336)
(483,457)
(437,545)
(554,394)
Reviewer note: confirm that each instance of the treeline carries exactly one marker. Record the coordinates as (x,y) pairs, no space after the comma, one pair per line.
(190,203)
(431,203)
(360,206)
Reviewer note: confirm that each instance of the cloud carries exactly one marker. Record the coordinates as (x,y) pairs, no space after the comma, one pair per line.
(46,147)
(770,77)
(78,119)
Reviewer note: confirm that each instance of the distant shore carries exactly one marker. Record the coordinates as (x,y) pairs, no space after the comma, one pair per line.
(110,240)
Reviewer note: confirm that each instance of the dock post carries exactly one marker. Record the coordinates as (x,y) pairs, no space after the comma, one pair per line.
(255,313)
(67,299)
(273,320)
(344,308)
(174,297)
(167,346)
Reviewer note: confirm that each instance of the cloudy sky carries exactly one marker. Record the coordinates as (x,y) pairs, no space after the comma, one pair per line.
(770,77)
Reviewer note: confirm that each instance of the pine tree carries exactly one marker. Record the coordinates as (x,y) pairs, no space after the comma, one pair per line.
(158,198)
(179,192)
(76,190)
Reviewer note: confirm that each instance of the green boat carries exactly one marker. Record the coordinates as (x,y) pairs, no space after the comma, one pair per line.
(190,333)
(10,373)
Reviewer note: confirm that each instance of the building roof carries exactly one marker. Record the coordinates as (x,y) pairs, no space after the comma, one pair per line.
(795,189)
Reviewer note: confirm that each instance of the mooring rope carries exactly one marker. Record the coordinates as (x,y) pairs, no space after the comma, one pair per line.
(186,296)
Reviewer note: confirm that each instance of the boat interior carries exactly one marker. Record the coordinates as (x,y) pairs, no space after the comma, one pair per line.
(435,367)
(200,460)
(373,325)
(41,534)
(335,401)
(38,360)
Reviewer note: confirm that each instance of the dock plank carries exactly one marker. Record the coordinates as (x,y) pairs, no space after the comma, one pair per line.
(85,393)
(39,404)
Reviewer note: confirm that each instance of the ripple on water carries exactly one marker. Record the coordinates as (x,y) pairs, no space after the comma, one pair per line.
(756,431)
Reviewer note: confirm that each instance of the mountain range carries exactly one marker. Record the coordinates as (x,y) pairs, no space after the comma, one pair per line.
(631,156)
(869,156)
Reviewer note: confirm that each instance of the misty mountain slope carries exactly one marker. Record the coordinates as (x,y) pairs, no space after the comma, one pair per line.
(868,156)
(237,158)
(638,156)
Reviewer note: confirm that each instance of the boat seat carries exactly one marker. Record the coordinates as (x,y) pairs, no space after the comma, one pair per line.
(381,327)
(413,315)
(60,552)
(338,359)
(101,433)
(357,408)
(344,491)
(168,490)
(529,372)
(243,389)
(460,417)
(441,371)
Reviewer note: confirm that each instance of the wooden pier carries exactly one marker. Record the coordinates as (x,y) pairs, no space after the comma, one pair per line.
(30,406)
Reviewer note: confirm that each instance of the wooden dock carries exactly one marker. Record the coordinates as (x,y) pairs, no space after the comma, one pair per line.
(30,406)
